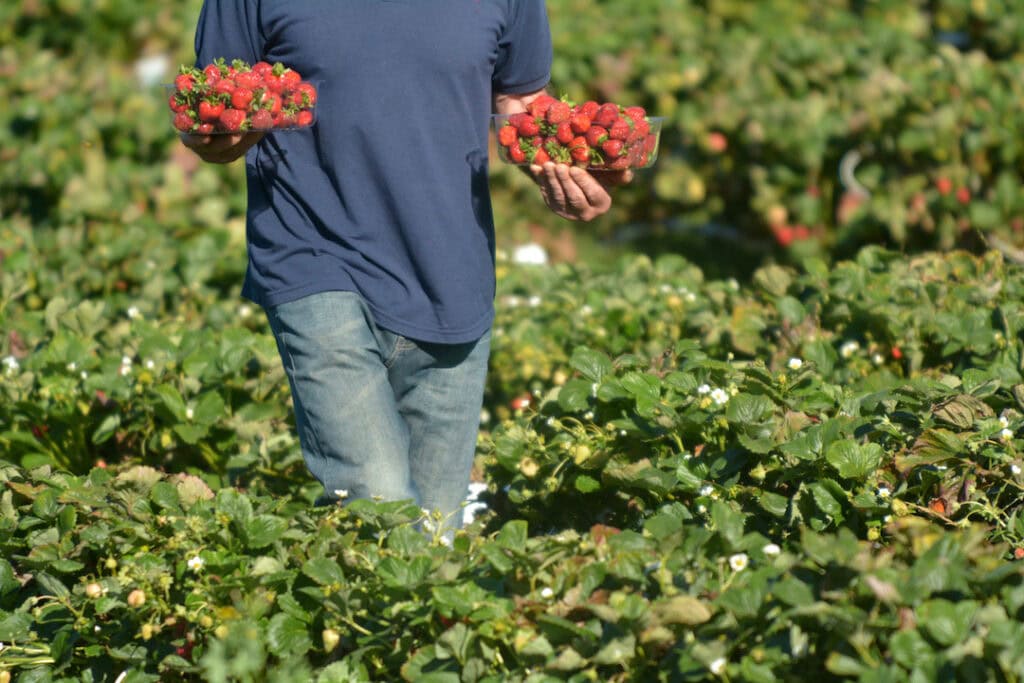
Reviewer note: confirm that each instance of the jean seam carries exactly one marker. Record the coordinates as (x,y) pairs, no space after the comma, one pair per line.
(309,424)
(401,346)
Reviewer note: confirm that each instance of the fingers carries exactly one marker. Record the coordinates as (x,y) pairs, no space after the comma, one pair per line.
(220,148)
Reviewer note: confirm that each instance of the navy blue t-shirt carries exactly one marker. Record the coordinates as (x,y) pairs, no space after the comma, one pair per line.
(387,194)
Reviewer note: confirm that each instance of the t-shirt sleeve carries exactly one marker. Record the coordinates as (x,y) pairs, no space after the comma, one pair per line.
(228,29)
(524,49)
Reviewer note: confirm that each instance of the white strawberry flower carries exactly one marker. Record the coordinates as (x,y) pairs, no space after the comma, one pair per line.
(849,348)
(771,549)
(150,364)
(1004,422)
(72,366)
(739,562)
(717,667)
(534,301)
(1006,434)
(877,359)
(195,563)
(720,397)
(703,389)
(341,493)
(586,309)
(1015,469)
(11,363)
(485,416)
(189,413)
(884,492)
(530,254)
(547,593)
(795,364)
(244,311)
(707,490)
(133,312)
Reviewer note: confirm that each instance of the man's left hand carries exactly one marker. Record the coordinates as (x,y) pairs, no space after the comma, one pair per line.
(574,193)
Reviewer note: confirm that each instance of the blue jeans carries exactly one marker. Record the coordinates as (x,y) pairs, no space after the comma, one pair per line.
(379,414)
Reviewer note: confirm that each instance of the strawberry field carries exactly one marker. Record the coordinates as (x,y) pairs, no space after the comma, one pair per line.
(762,422)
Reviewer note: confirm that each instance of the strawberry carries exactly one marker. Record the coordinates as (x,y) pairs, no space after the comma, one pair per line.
(248,79)
(612,147)
(304,118)
(528,126)
(185,82)
(540,156)
(558,112)
(262,68)
(635,113)
(210,110)
(538,107)
(619,130)
(606,115)
(589,109)
(177,103)
(291,79)
(271,101)
(224,86)
(596,135)
(515,152)
(304,95)
(262,120)
(563,133)
(507,135)
(241,98)
(183,121)
(580,123)
(205,128)
(579,149)
(212,74)
(233,120)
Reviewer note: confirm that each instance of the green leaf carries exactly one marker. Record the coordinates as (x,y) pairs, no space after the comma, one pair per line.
(585,484)
(574,395)
(171,400)
(681,609)
(262,530)
(591,364)
(513,535)
(324,571)
(165,495)
(728,522)
(853,460)
(287,636)
(235,505)
(209,408)
(745,409)
(947,622)
(774,503)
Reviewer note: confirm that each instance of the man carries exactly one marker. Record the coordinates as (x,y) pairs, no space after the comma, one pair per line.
(370,235)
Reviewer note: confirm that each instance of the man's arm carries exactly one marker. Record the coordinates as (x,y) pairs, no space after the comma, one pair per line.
(571,192)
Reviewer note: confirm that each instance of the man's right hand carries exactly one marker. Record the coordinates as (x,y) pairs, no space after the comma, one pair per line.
(221,149)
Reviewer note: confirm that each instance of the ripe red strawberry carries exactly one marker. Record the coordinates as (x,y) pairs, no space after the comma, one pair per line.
(291,79)
(589,109)
(580,123)
(528,126)
(596,135)
(304,95)
(635,113)
(538,107)
(205,128)
(944,185)
(516,153)
(233,120)
(606,115)
(612,148)
(507,135)
(579,149)
(210,110)
(540,156)
(185,82)
(224,86)
(558,112)
(564,132)
(304,118)
(619,130)
(212,74)
(963,195)
(248,79)
(241,98)
(271,101)
(261,68)
(177,104)
(262,120)
(183,121)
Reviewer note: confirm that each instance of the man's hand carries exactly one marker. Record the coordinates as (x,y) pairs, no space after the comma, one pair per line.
(575,193)
(221,149)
